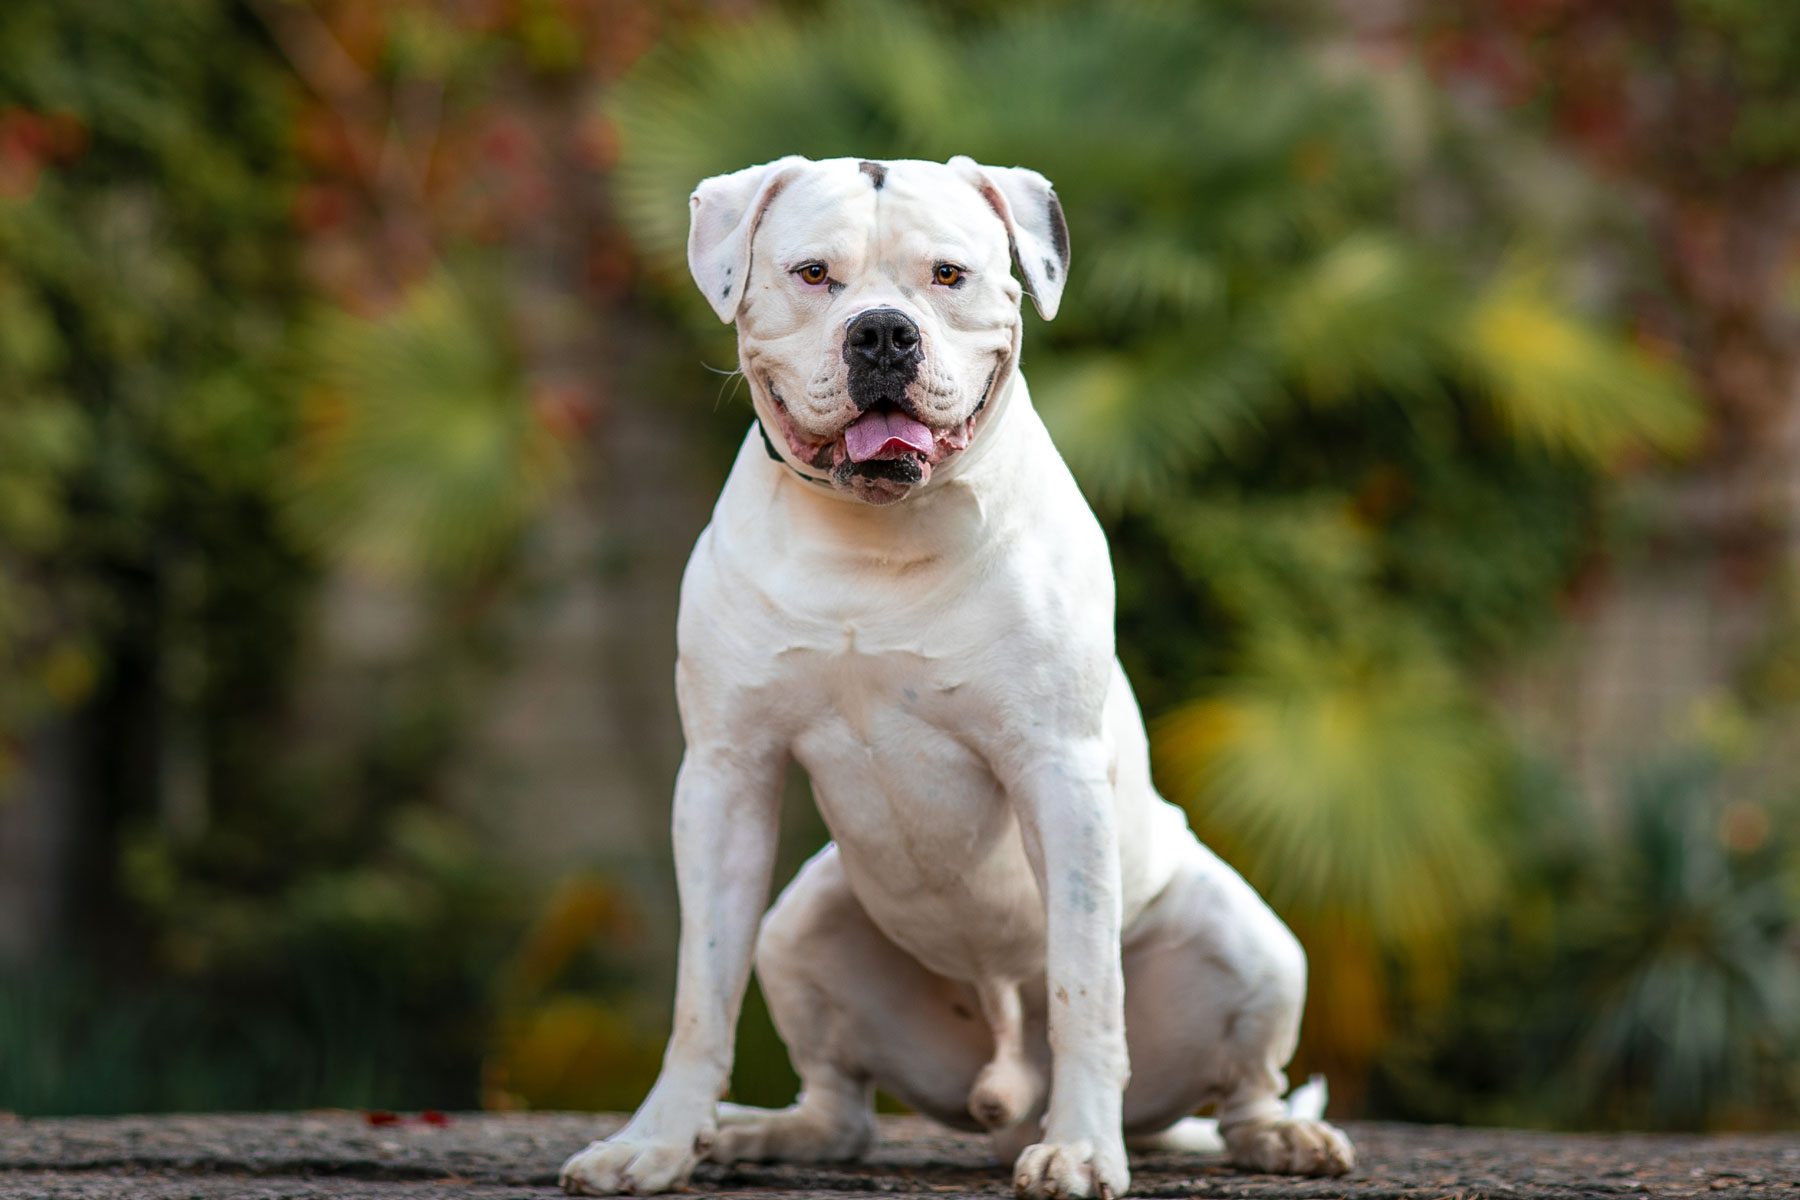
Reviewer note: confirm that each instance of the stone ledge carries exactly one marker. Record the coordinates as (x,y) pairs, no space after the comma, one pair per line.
(303,1156)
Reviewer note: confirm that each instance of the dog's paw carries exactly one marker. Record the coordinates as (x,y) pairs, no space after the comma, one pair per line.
(1072,1171)
(613,1168)
(798,1134)
(1004,1092)
(1290,1146)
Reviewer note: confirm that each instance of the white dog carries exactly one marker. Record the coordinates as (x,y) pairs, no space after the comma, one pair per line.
(903,589)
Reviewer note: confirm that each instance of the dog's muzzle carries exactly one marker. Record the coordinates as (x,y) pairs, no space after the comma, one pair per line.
(881,348)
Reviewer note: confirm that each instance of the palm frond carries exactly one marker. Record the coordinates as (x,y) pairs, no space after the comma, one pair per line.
(1300,562)
(424,456)
(1132,426)
(1560,383)
(1349,785)
(1364,317)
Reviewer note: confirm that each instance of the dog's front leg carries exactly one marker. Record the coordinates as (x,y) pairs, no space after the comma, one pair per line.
(1065,804)
(727,806)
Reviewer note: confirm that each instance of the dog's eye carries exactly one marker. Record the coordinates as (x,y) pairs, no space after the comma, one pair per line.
(948,274)
(813,273)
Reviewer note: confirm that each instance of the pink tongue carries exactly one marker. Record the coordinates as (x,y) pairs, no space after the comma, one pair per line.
(885,433)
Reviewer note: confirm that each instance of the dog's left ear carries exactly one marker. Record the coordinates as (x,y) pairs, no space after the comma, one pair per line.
(723,214)
(1034,221)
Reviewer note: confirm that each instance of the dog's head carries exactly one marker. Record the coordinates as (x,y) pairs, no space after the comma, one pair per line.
(876,307)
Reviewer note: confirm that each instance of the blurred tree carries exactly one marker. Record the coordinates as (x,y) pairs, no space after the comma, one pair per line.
(479,355)
(181,452)
(1341,473)
(1693,104)
(1686,110)
(146,292)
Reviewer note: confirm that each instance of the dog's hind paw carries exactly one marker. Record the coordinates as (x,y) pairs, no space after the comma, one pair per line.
(1290,1146)
(798,1134)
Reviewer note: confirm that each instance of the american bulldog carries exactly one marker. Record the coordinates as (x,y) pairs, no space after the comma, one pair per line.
(903,589)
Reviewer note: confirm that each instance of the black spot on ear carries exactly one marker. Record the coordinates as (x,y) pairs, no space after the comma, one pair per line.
(875,171)
(726,292)
(1049,269)
(1059,229)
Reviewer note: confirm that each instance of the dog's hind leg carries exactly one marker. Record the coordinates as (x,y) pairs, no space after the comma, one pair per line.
(855,1011)
(1214,986)
(1200,1135)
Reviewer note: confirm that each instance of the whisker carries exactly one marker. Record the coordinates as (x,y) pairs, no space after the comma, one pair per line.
(731,380)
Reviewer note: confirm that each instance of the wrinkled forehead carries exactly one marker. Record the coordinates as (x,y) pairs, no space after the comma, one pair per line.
(843,207)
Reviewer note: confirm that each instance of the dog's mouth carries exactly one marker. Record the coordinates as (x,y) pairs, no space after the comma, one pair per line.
(881,455)
(885,433)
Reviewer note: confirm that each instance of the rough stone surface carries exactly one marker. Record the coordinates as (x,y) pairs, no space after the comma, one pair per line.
(492,1156)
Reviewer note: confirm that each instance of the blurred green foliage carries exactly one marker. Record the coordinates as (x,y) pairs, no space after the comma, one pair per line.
(145,295)
(286,974)
(423,459)
(1643,975)
(183,449)
(270,308)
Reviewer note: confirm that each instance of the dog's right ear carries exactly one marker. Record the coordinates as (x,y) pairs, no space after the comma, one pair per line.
(724,212)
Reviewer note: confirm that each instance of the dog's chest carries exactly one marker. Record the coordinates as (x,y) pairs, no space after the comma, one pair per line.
(930,843)
(882,731)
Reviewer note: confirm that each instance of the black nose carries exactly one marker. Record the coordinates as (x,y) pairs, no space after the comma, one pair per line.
(883,338)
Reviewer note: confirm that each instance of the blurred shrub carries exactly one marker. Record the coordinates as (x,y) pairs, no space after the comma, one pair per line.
(1644,975)
(1359,785)
(253,925)
(1346,461)
(572,1035)
(146,292)
(359,977)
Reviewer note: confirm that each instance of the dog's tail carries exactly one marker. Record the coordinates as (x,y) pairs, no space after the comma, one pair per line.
(1200,1135)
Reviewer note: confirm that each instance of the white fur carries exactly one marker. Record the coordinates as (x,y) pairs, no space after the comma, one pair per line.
(1010,929)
